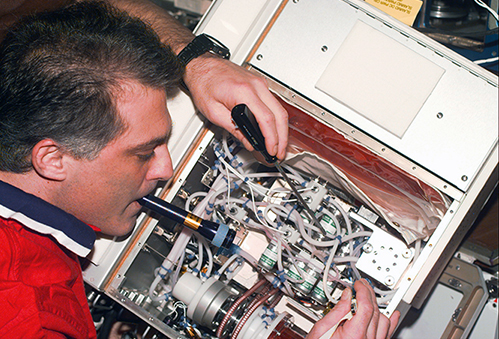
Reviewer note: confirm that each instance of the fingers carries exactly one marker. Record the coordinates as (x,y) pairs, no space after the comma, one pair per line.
(368,316)
(361,321)
(383,326)
(367,322)
(272,119)
(394,319)
(386,326)
(373,328)
(217,85)
(333,317)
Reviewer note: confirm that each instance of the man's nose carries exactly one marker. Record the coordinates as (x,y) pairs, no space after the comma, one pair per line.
(161,168)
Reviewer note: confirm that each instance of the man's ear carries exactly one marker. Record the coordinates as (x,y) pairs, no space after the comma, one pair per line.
(48,160)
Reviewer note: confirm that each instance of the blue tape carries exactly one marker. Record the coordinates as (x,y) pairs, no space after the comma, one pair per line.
(166,269)
(291,211)
(219,237)
(281,275)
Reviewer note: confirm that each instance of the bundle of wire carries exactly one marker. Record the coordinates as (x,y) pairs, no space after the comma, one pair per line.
(238,193)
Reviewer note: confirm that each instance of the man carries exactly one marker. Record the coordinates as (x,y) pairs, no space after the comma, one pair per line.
(83,132)
(215,85)
(83,126)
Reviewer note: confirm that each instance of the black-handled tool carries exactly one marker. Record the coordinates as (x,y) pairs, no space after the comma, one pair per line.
(247,124)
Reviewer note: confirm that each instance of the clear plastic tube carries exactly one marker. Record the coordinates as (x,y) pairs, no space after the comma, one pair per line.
(280,267)
(191,197)
(229,261)
(199,265)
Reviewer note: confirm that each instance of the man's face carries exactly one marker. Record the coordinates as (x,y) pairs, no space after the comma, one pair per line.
(103,191)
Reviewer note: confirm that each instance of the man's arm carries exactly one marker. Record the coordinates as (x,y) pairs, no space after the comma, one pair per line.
(217,85)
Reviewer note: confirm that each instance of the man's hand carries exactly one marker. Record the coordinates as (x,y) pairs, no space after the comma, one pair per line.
(366,323)
(217,85)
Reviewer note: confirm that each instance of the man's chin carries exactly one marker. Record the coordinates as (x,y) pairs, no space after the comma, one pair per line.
(120,228)
(123,224)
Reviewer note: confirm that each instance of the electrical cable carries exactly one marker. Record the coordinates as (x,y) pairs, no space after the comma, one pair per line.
(490,10)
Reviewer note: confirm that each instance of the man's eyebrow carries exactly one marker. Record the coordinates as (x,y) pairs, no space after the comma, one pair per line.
(149,145)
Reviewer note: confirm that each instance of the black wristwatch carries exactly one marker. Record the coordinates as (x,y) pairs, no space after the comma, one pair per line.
(201,44)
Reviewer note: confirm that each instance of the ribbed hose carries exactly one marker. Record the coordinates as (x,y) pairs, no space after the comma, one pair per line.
(250,311)
(234,306)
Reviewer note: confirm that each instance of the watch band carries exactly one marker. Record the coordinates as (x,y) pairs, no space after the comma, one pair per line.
(201,44)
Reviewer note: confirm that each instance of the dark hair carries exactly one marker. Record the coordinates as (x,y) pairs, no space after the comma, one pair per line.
(59,71)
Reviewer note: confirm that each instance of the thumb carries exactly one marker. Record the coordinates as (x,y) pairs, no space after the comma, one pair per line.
(333,317)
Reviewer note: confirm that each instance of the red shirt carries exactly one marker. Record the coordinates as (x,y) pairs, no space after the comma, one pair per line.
(41,286)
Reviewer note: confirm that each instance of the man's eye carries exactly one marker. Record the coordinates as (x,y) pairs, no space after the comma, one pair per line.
(145,157)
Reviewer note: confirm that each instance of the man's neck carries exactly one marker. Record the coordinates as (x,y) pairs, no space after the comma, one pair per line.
(29,182)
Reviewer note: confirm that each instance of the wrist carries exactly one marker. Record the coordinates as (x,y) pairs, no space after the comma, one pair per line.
(200,45)
(198,53)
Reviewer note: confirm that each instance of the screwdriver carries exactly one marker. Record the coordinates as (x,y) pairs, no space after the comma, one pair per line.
(247,124)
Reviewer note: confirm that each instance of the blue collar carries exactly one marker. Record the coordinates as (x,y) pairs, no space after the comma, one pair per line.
(43,217)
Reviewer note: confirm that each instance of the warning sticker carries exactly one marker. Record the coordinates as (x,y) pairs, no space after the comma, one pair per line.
(402,10)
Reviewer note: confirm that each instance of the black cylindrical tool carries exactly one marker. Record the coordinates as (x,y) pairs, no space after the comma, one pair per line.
(220,235)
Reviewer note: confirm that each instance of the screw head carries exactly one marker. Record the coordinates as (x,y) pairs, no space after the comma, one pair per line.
(368,248)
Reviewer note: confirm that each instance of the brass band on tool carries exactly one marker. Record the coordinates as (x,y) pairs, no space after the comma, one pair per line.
(192,221)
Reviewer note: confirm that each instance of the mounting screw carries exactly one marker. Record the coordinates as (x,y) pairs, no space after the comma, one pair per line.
(368,248)
(259,57)
(324,48)
(464,178)
(440,115)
